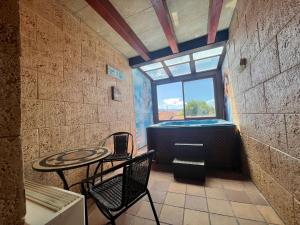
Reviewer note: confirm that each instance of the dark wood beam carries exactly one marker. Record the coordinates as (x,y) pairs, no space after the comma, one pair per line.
(108,12)
(162,12)
(215,8)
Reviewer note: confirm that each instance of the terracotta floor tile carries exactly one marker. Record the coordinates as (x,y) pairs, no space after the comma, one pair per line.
(196,203)
(250,222)
(175,199)
(237,196)
(216,219)
(96,217)
(171,215)
(192,217)
(160,185)
(249,186)
(192,189)
(269,214)
(257,199)
(177,188)
(246,211)
(213,182)
(145,210)
(219,207)
(234,184)
(157,196)
(217,193)
(133,210)
(124,219)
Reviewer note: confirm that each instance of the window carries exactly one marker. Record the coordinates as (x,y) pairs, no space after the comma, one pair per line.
(181,69)
(170,101)
(157,74)
(207,64)
(199,98)
(184,65)
(186,100)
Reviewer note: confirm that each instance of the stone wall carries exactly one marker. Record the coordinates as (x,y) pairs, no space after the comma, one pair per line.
(266,97)
(12,202)
(66,98)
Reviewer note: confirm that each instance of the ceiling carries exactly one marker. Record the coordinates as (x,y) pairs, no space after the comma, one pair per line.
(189,18)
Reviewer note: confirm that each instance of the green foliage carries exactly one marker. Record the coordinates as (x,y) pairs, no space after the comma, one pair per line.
(199,108)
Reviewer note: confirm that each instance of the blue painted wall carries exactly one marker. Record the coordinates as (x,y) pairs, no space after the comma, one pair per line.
(142,105)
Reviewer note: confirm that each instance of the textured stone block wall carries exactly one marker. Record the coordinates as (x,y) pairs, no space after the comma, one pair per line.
(66,100)
(266,97)
(12,202)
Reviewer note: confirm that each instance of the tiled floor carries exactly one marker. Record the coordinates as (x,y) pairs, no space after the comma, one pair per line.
(224,199)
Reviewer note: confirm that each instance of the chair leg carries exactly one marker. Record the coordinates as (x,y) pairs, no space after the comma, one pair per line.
(153,208)
(112,164)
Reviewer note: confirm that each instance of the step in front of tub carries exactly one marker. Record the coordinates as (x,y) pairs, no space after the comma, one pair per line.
(189,169)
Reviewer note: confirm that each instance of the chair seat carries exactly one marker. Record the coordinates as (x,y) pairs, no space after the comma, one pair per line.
(109,193)
(116,157)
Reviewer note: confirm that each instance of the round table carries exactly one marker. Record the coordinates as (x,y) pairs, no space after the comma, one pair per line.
(71,159)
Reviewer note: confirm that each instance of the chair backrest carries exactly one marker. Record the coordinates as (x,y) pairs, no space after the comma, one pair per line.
(120,143)
(136,176)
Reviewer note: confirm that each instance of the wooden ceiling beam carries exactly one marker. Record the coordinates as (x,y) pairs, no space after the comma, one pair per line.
(108,12)
(215,8)
(162,12)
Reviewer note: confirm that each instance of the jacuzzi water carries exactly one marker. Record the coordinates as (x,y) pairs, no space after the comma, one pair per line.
(194,123)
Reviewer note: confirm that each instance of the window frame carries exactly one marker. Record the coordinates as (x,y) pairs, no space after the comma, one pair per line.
(215,75)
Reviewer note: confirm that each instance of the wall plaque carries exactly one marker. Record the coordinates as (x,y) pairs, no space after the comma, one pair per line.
(116,94)
(111,71)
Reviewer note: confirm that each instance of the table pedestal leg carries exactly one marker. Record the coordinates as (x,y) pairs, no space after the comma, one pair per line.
(62,177)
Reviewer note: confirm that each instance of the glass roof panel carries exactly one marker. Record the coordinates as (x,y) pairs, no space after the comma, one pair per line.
(152,66)
(181,69)
(177,60)
(157,74)
(208,53)
(207,64)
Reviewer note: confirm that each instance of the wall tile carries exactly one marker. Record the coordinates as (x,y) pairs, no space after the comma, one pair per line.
(75,113)
(293,134)
(266,63)
(297,211)
(50,141)
(270,129)
(289,44)
(276,14)
(96,132)
(9,78)
(283,92)
(27,23)
(10,149)
(50,87)
(255,100)
(72,136)
(54,113)
(285,169)
(30,144)
(251,47)
(260,153)
(72,91)
(10,119)
(91,113)
(32,114)
(28,83)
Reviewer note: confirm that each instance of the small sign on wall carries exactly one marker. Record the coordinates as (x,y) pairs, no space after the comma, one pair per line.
(116,94)
(111,71)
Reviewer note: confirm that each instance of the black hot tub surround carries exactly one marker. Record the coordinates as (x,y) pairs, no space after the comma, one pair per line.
(220,140)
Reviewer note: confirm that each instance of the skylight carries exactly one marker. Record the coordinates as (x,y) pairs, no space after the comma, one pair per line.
(207,64)
(177,60)
(152,66)
(157,74)
(184,65)
(180,69)
(208,53)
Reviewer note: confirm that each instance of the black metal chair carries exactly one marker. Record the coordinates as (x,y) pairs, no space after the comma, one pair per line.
(120,146)
(116,194)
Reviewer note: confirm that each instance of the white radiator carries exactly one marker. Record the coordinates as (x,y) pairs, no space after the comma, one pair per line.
(46,205)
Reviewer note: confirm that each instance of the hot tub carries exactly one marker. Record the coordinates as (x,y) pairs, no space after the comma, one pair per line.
(219,138)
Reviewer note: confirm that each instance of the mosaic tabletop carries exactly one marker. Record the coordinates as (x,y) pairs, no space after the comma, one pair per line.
(71,159)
